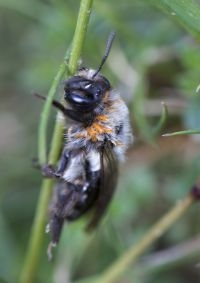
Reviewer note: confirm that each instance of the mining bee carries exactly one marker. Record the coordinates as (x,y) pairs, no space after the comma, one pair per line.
(95,141)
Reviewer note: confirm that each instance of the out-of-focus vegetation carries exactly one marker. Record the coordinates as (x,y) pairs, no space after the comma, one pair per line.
(153,59)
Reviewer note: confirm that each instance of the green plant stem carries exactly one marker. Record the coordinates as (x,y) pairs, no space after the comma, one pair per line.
(170,258)
(32,258)
(163,119)
(33,254)
(180,133)
(79,35)
(120,266)
(42,135)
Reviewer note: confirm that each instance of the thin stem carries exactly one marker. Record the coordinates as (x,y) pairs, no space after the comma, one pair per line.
(81,28)
(31,263)
(37,234)
(163,119)
(185,132)
(171,257)
(120,266)
(42,133)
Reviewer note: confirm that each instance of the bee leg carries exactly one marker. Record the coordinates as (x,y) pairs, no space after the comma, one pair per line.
(62,163)
(49,250)
(76,205)
(93,178)
(55,227)
(35,163)
(48,171)
(93,168)
(62,205)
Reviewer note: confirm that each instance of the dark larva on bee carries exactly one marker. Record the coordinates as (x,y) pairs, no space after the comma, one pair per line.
(95,142)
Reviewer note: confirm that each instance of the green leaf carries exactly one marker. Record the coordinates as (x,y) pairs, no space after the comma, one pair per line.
(186,12)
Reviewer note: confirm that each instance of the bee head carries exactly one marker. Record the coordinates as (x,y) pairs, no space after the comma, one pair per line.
(84,91)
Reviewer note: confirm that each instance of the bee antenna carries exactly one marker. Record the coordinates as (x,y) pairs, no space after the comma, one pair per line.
(106,53)
(55,103)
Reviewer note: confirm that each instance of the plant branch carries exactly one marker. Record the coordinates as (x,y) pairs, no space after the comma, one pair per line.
(42,134)
(171,257)
(123,263)
(163,119)
(79,35)
(31,263)
(185,132)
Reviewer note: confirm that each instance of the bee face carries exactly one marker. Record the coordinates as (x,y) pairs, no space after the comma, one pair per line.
(84,92)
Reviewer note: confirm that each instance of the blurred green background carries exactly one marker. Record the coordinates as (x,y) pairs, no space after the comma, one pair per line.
(153,59)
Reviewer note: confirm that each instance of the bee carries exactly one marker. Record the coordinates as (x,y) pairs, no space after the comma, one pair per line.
(95,142)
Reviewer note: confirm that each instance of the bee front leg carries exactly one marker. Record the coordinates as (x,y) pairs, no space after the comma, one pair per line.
(49,171)
(62,163)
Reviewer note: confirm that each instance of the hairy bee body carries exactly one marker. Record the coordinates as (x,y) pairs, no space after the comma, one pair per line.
(97,136)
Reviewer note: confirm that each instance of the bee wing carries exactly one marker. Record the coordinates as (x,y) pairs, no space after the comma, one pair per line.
(107,185)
